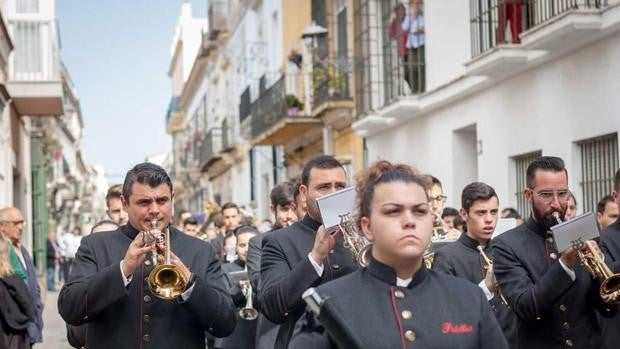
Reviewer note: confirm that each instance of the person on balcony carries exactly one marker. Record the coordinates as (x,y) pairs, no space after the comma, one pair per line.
(395,28)
(413,25)
(509,11)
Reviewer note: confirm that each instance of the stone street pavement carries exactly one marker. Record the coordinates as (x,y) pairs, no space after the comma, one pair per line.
(54,331)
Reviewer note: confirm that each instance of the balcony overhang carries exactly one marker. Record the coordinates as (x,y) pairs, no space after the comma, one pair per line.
(337,114)
(501,60)
(205,165)
(286,130)
(175,122)
(564,32)
(219,166)
(330,105)
(371,124)
(37,98)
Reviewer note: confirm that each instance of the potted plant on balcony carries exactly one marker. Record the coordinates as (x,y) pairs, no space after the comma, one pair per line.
(293,105)
(329,79)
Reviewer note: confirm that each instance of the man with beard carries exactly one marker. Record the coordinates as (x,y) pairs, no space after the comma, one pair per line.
(301,256)
(552,295)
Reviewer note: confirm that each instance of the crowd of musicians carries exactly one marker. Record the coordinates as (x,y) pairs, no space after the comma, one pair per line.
(435,276)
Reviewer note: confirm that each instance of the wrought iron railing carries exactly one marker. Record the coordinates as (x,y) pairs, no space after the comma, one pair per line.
(270,108)
(245,105)
(386,66)
(496,22)
(330,81)
(211,145)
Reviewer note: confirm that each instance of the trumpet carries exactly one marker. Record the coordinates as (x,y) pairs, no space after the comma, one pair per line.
(487,264)
(354,241)
(247,312)
(166,281)
(609,291)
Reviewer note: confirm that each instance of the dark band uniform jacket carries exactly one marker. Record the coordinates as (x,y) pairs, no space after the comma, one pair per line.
(553,311)
(434,310)
(266,331)
(610,244)
(132,317)
(245,332)
(462,259)
(286,272)
(16,311)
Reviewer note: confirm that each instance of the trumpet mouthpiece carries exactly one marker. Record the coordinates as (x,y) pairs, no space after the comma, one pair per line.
(154,222)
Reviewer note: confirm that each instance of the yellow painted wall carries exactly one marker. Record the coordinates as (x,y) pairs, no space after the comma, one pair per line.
(348,145)
(296,17)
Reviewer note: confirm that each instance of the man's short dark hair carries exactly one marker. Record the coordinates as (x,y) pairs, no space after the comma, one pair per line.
(512,213)
(323,162)
(297,184)
(617,181)
(282,194)
(244,229)
(449,212)
(145,173)
(191,221)
(476,191)
(114,192)
(435,181)
(228,205)
(545,163)
(600,207)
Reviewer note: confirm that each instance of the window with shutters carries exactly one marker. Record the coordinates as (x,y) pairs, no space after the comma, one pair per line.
(521,162)
(599,163)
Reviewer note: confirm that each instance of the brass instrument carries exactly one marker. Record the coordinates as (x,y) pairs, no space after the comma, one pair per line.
(487,264)
(354,241)
(247,312)
(166,281)
(439,231)
(609,291)
(429,257)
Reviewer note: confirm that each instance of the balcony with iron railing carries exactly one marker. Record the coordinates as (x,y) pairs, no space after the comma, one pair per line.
(210,148)
(331,85)
(279,115)
(387,67)
(35,80)
(507,36)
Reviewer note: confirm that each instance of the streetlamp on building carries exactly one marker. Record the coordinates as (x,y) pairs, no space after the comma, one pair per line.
(312,36)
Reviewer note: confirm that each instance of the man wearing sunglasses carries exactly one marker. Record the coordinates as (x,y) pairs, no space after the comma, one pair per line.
(12,226)
(552,295)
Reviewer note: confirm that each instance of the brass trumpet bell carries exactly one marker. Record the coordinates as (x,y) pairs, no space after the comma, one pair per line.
(166,281)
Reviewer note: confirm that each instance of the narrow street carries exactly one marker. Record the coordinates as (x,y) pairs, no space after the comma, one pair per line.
(54,331)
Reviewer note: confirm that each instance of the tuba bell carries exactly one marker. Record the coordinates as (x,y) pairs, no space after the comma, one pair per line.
(609,291)
(354,241)
(166,280)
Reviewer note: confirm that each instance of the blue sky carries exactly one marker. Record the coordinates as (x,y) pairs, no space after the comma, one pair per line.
(118,53)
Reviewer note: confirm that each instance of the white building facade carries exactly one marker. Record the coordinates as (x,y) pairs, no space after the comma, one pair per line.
(491,104)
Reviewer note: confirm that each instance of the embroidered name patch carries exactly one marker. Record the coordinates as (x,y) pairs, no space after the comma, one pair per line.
(448,327)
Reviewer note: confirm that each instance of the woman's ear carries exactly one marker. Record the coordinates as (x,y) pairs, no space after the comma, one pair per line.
(365,225)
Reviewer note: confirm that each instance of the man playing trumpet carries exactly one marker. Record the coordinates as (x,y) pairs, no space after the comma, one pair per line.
(479,210)
(552,295)
(109,285)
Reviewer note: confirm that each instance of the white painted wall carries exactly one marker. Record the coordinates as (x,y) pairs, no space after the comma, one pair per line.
(448,40)
(547,108)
